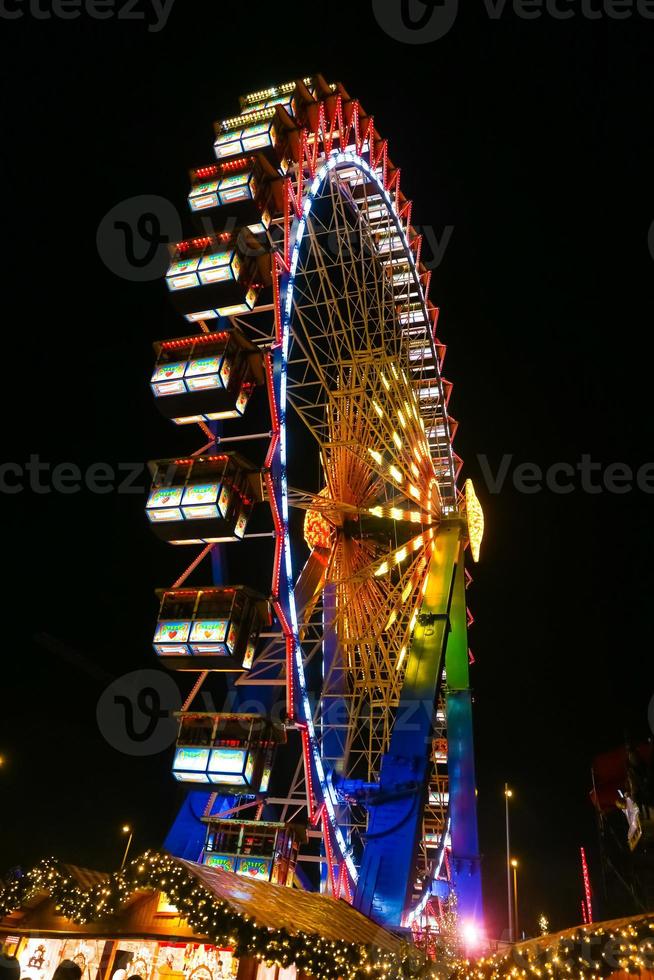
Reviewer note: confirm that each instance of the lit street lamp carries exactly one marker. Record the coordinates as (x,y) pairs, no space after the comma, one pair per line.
(127,830)
(514,865)
(508,793)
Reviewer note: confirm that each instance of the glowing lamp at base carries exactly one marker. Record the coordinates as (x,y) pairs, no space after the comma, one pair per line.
(472,935)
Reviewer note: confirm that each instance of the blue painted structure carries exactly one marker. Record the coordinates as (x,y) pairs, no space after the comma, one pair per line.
(395,826)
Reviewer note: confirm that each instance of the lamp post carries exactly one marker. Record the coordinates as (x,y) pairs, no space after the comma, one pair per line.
(516,919)
(127,830)
(508,793)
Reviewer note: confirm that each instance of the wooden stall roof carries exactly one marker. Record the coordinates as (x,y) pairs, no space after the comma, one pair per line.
(86,878)
(278,907)
(269,906)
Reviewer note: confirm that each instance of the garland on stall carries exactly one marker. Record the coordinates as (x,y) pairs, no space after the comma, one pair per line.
(590,952)
(212,917)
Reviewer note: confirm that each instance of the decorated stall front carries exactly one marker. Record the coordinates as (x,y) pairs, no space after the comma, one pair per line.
(163,918)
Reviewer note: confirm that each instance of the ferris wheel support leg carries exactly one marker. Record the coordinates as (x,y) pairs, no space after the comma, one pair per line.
(186,837)
(334,707)
(466,872)
(395,823)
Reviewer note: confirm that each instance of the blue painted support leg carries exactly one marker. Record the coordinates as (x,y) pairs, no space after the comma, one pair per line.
(466,870)
(395,822)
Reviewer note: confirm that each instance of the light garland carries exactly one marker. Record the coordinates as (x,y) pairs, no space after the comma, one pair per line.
(590,952)
(212,917)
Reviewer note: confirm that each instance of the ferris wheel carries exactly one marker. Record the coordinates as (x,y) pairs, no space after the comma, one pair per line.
(311,365)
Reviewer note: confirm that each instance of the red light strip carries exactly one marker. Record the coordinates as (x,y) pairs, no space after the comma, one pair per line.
(200,338)
(205,459)
(209,807)
(191,568)
(217,169)
(314,814)
(281,615)
(586,879)
(357,129)
(193,243)
(279,266)
(194,690)
(416,246)
(207,431)
(202,172)
(328,853)
(214,590)
(290,678)
(344,883)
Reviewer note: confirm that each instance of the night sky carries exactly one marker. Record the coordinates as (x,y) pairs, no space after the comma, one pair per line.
(533,141)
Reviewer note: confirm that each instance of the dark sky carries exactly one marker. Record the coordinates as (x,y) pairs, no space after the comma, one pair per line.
(533,140)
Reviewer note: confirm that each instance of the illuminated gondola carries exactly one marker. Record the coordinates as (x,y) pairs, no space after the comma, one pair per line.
(257,849)
(242,191)
(219,275)
(203,499)
(213,628)
(232,752)
(206,377)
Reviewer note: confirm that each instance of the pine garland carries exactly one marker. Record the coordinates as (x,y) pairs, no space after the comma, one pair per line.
(590,952)
(214,918)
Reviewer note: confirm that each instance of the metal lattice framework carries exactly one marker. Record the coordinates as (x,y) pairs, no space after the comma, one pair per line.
(348,343)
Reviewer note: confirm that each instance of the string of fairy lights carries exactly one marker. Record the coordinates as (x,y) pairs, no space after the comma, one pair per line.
(213,918)
(590,952)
